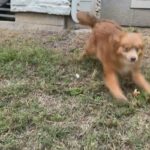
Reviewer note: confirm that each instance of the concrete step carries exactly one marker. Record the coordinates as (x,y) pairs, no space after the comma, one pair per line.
(22,26)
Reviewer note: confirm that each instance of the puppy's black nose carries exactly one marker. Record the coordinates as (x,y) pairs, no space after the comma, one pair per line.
(133,59)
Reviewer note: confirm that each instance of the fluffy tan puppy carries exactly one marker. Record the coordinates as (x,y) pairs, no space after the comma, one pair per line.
(119,52)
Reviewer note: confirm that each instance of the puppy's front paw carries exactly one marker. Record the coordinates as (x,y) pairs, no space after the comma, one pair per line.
(148,91)
(147,88)
(122,99)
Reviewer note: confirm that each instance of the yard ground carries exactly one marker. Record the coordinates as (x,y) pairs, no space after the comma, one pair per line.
(51,101)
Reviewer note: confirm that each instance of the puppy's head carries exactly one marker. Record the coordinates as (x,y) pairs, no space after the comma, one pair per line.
(131,47)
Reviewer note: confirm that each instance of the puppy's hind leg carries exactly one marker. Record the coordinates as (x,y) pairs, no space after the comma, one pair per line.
(89,49)
(83,54)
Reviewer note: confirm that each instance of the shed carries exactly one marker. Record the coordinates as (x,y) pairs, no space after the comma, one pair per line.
(127,12)
(60,14)
(55,7)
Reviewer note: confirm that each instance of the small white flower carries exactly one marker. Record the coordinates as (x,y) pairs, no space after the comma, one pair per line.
(77,76)
(136,92)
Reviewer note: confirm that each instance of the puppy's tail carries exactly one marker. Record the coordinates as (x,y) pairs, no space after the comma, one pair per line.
(86,18)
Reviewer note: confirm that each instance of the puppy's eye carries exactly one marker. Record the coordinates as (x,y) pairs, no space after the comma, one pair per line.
(126,49)
(137,49)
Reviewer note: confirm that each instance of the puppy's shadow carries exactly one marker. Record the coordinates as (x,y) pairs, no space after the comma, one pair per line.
(92,67)
(127,84)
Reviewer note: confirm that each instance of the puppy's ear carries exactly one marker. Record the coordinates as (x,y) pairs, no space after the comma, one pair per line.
(120,50)
(116,39)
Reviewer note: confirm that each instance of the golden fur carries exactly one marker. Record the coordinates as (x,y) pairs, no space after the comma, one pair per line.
(120,52)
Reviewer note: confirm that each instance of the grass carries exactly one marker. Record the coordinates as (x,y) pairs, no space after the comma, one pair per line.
(44,106)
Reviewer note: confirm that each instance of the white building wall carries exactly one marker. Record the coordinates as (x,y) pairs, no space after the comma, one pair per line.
(56,7)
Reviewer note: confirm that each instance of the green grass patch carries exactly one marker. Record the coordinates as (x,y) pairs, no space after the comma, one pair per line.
(43,105)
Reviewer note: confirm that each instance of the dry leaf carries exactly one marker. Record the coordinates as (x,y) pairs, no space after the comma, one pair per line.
(136,93)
